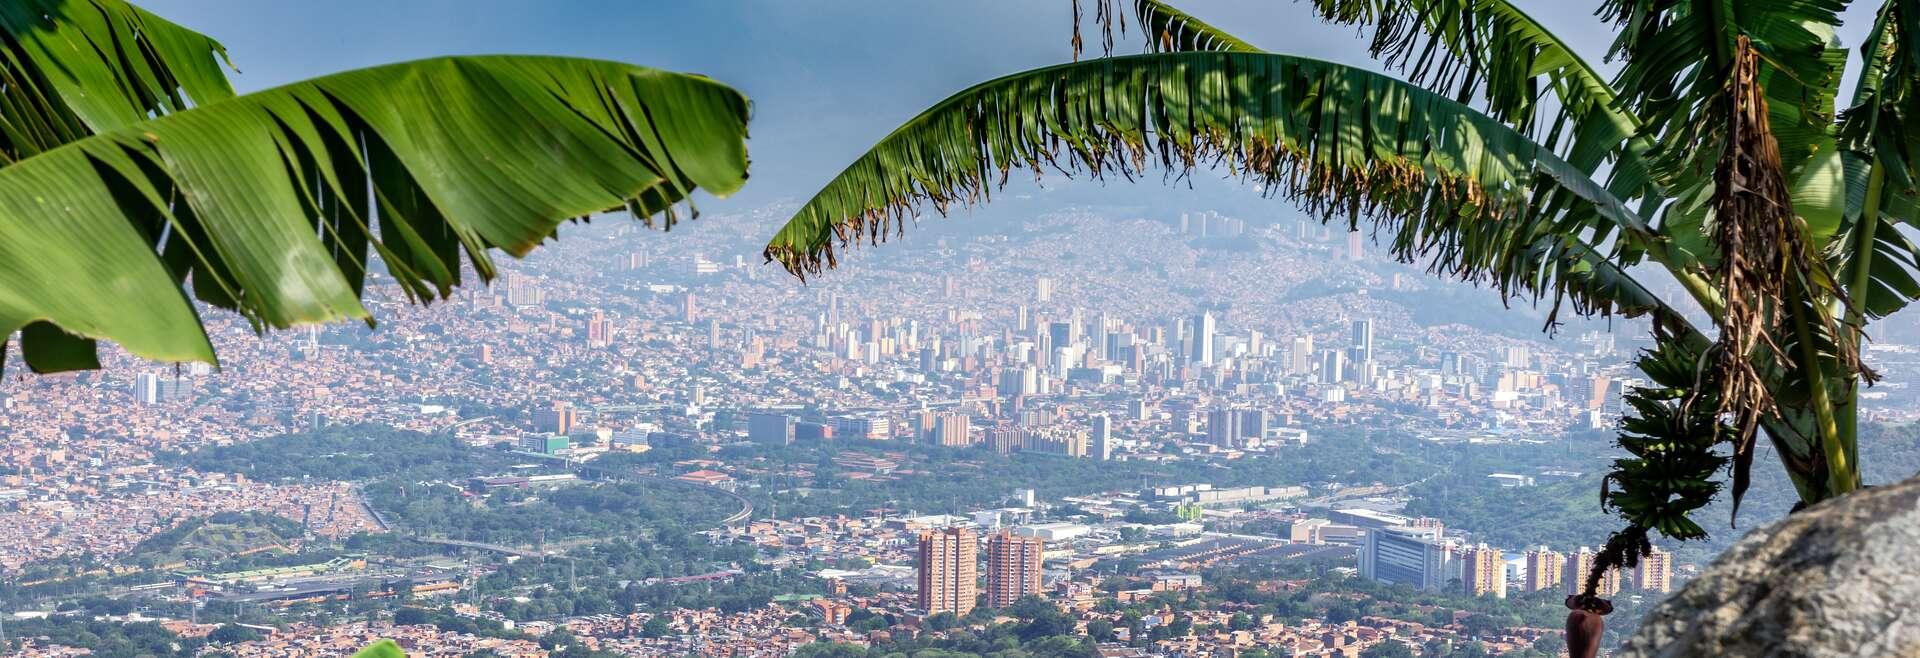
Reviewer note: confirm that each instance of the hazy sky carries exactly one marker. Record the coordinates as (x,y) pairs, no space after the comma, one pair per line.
(827,78)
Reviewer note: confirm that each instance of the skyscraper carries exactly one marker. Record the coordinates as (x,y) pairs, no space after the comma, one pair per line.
(1203,338)
(1544,567)
(1362,341)
(1484,571)
(1043,289)
(1102,445)
(1013,568)
(689,308)
(1300,356)
(1655,572)
(1333,367)
(949,570)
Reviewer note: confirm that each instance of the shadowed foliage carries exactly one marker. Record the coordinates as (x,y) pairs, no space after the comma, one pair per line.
(274,204)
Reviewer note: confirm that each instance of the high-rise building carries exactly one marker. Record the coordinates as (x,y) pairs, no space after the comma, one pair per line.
(1333,367)
(1101,447)
(1013,568)
(1544,568)
(1223,428)
(1054,441)
(1483,570)
(1578,565)
(770,428)
(1300,356)
(1655,572)
(951,429)
(1203,331)
(949,570)
(520,291)
(689,308)
(1362,341)
(1043,289)
(1006,440)
(1018,381)
(1406,556)
(1355,246)
(146,388)
(1253,425)
(558,418)
(1063,334)
(599,330)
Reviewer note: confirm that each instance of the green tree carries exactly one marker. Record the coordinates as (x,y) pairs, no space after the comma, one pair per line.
(942,621)
(132,167)
(656,627)
(1100,630)
(232,633)
(1722,156)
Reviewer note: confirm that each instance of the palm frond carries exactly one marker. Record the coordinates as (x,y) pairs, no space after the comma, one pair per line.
(272,204)
(1679,54)
(1443,180)
(72,68)
(1875,140)
(1496,52)
(1164,27)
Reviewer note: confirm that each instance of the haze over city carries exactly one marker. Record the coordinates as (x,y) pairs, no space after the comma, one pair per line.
(1184,415)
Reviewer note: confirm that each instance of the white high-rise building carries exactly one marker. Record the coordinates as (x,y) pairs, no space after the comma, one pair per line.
(1203,331)
(1101,447)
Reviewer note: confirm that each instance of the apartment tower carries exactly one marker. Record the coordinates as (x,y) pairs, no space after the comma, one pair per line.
(1013,568)
(949,570)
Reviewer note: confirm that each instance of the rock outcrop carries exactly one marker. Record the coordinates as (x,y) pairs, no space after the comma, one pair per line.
(1838,579)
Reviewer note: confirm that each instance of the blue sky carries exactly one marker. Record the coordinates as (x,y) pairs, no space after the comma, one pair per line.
(827,78)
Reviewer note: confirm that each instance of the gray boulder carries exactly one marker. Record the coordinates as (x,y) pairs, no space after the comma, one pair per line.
(1838,579)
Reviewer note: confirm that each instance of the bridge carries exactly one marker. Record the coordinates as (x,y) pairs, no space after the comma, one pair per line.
(497,548)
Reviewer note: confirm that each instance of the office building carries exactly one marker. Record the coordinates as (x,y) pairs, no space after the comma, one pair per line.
(1407,556)
(1203,331)
(545,444)
(1362,341)
(949,571)
(1333,367)
(1655,572)
(1101,447)
(1013,568)
(1300,356)
(1544,568)
(770,428)
(1483,570)
(151,388)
